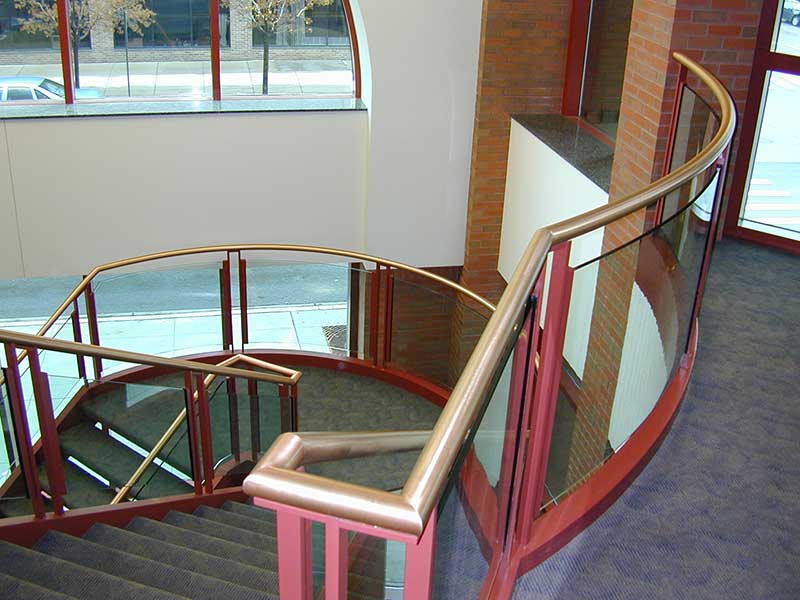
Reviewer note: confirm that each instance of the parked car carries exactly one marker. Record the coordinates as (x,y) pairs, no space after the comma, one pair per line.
(791,12)
(19,87)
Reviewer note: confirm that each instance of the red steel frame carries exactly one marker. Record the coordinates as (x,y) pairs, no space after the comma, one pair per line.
(94,328)
(78,337)
(191,425)
(764,60)
(65,45)
(576,57)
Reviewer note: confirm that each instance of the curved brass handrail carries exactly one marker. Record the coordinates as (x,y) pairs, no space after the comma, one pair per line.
(292,374)
(274,477)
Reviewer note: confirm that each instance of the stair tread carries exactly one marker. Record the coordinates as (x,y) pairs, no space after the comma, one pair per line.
(228,517)
(117,463)
(203,542)
(13,588)
(143,570)
(186,558)
(66,577)
(221,530)
(82,490)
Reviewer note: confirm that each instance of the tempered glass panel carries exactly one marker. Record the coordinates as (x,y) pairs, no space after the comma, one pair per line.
(772,201)
(433,333)
(292,54)
(170,312)
(640,311)
(16,500)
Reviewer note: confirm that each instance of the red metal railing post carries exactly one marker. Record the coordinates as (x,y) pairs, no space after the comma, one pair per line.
(388,306)
(287,410)
(233,418)
(216,86)
(374,295)
(419,563)
(294,556)
(255,418)
(336,562)
(673,132)
(94,328)
(49,433)
(77,335)
(205,433)
(243,300)
(545,395)
(23,433)
(191,421)
(226,303)
(65,44)
(354,312)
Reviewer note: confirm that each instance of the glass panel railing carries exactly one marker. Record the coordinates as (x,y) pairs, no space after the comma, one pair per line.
(432,330)
(15,500)
(638,314)
(169,312)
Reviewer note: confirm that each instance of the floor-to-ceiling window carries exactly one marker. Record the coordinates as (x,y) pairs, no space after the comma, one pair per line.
(766,190)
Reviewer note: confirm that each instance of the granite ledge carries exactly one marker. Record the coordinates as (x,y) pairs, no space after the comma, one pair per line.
(574,144)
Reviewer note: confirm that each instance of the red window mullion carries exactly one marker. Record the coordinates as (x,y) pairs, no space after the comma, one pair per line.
(216,86)
(62,6)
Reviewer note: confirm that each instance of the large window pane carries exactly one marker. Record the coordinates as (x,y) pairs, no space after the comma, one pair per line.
(307,52)
(787,38)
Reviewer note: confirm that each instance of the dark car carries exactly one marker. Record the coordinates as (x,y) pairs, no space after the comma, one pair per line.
(20,87)
(791,12)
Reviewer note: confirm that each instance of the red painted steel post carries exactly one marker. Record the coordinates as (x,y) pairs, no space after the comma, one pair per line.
(354,312)
(286,408)
(19,417)
(226,303)
(388,307)
(374,294)
(336,561)
(673,131)
(546,393)
(216,86)
(65,43)
(78,337)
(49,433)
(243,300)
(233,418)
(419,563)
(206,441)
(94,328)
(294,395)
(294,556)
(194,446)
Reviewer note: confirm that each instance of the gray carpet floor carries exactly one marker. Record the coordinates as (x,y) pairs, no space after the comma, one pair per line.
(716,514)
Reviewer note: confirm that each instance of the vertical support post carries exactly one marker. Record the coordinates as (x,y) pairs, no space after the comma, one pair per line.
(419,563)
(65,44)
(294,556)
(216,86)
(353,316)
(78,337)
(194,447)
(388,302)
(243,299)
(546,393)
(233,418)
(295,401)
(374,294)
(336,562)
(22,432)
(94,328)
(49,433)
(205,433)
(673,132)
(287,412)
(226,303)
(255,418)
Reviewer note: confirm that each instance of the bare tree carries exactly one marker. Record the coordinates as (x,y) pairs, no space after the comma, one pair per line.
(272,17)
(84,15)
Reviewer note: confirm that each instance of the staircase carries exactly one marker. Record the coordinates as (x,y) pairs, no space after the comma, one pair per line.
(227,553)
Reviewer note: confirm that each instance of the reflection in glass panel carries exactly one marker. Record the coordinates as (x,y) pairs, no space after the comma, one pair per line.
(305,52)
(787,34)
(605,63)
(772,200)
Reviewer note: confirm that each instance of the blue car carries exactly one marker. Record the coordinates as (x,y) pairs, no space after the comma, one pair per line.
(27,88)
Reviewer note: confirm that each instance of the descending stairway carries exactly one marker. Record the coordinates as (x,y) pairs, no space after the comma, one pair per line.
(226,553)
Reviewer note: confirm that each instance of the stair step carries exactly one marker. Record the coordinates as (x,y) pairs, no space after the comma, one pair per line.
(249,510)
(239,521)
(202,542)
(117,463)
(66,577)
(186,558)
(221,531)
(82,489)
(19,589)
(142,570)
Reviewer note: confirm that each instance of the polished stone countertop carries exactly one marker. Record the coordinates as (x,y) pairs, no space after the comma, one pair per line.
(574,144)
